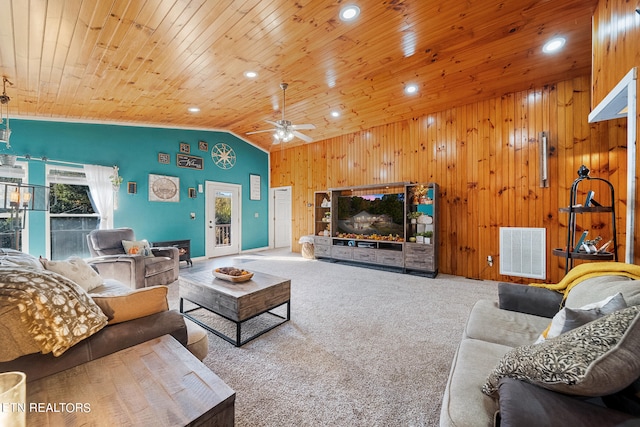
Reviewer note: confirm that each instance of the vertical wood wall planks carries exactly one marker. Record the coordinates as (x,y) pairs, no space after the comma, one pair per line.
(484,156)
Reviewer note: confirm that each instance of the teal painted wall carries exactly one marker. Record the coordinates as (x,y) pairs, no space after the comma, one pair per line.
(135,151)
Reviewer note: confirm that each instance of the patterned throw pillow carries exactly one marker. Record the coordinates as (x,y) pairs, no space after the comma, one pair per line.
(76,270)
(596,359)
(140,247)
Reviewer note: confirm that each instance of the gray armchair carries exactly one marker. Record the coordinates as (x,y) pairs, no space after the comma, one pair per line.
(138,271)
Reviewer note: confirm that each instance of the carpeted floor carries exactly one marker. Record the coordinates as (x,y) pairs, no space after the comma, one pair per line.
(364,347)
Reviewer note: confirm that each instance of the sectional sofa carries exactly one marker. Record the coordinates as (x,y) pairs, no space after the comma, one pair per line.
(551,357)
(57,315)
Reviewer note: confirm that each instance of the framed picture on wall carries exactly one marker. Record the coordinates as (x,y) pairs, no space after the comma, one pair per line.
(185,148)
(192,193)
(164,158)
(254,187)
(190,162)
(132,187)
(203,146)
(164,188)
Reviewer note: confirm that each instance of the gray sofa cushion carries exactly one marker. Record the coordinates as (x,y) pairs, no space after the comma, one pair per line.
(463,404)
(526,405)
(529,299)
(489,323)
(598,288)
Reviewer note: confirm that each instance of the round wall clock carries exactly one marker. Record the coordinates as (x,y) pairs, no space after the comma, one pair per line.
(223,156)
(163,188)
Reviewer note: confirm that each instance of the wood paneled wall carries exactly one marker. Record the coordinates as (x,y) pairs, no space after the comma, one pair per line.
(616,50)
(615,44)
(485,158)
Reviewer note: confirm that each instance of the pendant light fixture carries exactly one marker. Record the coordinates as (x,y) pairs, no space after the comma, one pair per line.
(5,131)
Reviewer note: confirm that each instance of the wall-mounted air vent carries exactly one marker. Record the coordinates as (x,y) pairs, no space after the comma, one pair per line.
(523,252)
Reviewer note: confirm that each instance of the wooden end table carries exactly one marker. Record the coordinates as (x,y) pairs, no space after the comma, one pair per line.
(156,383)
(236,302)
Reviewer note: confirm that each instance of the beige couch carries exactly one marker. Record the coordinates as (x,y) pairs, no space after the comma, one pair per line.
(516,320)
(120,317)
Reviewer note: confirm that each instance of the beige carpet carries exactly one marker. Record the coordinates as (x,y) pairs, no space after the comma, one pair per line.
(364,347)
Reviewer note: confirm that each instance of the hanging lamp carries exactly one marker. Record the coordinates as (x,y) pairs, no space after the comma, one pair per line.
(5,131)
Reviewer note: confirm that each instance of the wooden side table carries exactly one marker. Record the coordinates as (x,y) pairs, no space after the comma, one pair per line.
(156,383)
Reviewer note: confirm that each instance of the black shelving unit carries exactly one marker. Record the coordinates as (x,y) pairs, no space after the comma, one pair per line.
(573,210)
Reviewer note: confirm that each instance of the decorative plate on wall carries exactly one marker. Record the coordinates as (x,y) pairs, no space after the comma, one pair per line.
(223,156)
(164,188)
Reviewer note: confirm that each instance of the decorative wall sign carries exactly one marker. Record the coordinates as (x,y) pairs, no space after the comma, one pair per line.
(132,187)
(223,156)
(254,187)
(164,188)
(185,148)
(190,162)
(164,158)
(203,146)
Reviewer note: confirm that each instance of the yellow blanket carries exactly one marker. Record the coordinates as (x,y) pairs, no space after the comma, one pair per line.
(587,271)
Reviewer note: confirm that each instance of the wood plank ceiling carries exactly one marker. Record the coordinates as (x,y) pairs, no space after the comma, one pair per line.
(147,61)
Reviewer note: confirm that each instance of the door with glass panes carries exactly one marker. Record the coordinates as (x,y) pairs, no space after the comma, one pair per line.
(222,219)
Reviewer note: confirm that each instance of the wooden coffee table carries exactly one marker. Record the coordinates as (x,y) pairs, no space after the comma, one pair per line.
(156,383)
(236,302)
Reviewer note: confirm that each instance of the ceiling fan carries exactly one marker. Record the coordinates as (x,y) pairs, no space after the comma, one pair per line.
(283,129)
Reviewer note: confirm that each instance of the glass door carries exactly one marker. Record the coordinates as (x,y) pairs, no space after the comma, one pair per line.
(223,219)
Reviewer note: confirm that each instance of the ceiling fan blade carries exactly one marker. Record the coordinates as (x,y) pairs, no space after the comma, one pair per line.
(272,123)
(302,136)
(305,126)
(260,131)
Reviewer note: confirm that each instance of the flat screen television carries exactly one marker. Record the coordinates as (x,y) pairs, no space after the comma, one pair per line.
(380,214)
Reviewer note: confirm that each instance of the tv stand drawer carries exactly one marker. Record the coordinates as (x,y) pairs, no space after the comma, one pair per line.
(367,255)
(342,252)
(387,257)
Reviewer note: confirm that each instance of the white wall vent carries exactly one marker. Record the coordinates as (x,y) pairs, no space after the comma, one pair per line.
(523,252)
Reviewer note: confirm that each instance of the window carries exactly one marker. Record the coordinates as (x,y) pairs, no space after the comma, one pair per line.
(11,233)
(71,213)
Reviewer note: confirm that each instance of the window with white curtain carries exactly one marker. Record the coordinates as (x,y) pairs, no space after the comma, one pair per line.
(72,214)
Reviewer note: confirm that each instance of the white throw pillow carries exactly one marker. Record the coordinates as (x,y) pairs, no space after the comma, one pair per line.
(568,318)
(139,247)
(77,270)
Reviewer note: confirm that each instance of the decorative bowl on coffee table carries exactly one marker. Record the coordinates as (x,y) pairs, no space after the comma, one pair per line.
(219,273)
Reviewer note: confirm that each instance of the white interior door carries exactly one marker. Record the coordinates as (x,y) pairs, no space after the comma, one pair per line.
(222,219)
(282,217)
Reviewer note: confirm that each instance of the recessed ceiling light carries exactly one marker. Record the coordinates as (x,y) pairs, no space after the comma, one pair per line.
(411,89)
(194,109)
(554,44)
(250,74)
(349,12)
(335,114)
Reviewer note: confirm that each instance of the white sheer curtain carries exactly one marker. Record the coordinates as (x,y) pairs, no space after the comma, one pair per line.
(101,192)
